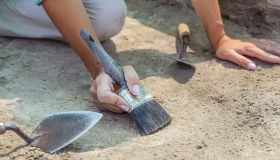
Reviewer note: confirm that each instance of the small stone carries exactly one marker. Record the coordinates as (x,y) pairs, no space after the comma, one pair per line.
(239,112)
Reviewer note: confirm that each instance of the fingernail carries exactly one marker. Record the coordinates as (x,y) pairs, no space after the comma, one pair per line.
(125,108)
(136,90)
(251,66)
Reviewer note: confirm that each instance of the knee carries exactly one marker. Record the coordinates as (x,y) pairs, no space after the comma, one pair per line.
(108,17)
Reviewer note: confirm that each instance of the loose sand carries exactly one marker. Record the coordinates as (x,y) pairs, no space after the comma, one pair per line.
(220,111)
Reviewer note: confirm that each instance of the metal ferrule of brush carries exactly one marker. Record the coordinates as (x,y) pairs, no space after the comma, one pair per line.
(134,101)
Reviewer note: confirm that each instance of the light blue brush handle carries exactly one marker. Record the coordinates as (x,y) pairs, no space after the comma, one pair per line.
(38,2)
(110,66)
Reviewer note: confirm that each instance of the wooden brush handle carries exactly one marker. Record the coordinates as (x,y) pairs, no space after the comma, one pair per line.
(110,66)
(183,30)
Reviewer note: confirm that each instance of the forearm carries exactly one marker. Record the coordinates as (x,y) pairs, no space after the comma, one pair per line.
(70,17)
(210,15)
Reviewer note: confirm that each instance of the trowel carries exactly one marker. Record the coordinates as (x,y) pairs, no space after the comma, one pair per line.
(182,70)
(57,130)
(184,37)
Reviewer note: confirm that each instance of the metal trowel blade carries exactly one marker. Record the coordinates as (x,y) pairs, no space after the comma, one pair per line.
(183,62)
(180,61)
(58,130)
(181,72)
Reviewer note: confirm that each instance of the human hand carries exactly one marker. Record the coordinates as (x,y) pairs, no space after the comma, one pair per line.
(104,95)
(235,50)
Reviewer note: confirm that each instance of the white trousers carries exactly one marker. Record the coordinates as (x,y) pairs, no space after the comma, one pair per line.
(23,18)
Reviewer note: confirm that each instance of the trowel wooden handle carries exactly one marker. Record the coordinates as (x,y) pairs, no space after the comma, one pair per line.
(183,30)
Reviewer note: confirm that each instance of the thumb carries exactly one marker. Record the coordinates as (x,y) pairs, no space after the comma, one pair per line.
(132,80)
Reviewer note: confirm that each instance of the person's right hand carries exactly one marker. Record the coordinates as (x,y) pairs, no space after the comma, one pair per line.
(235,50)
(103,91)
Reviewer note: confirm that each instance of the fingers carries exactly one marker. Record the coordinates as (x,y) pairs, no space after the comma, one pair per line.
(103,106)
(132,80)
(272,47)
(267,45)
(244,62)
(261,54)
(106,95)
(111,98)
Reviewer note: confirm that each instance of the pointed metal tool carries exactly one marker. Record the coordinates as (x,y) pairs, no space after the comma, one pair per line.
(57,130)
(182,70)
(184,36)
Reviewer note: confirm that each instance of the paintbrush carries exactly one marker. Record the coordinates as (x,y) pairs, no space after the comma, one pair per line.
(147,113)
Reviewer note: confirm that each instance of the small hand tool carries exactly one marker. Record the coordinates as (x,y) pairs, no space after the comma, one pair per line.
(57,130)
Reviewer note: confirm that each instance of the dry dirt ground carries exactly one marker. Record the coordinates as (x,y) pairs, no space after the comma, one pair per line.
(219,111)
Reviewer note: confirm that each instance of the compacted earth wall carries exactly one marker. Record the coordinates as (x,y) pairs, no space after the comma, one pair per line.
(259,16)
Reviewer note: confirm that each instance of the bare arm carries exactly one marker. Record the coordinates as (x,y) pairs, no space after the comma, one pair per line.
(70,17)
(227,48)
(210,15)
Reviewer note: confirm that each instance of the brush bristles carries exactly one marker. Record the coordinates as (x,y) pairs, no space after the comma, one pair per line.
(150,117)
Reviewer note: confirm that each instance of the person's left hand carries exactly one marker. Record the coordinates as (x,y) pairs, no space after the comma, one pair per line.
(235,50)
(104,89)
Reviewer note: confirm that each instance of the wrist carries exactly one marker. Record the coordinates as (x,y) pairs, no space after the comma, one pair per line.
(95,70)
(98,73)
(220,41)
(216,32)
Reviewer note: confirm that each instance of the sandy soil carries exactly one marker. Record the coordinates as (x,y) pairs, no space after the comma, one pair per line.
(219,111)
